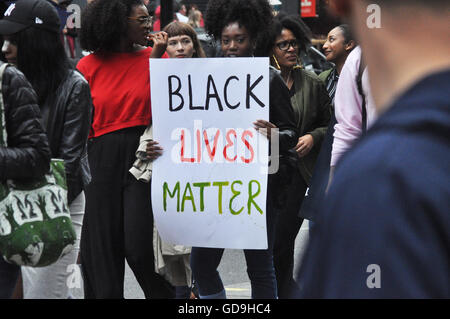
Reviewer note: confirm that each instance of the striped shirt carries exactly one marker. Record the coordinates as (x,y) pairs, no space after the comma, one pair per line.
(331,83)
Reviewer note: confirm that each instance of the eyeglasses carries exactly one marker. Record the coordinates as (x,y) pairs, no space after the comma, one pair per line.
(285,45)
(143,20)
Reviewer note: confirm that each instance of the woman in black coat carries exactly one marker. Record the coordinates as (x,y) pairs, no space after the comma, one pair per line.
(32,41)
(312,110)
(28,152)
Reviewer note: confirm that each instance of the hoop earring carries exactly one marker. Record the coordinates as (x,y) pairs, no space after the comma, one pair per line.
(276,62)
(299,64)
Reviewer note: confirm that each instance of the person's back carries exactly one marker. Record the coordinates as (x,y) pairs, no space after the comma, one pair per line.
(394,189)
(384,230)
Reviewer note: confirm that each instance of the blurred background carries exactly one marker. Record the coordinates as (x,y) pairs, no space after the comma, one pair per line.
(313,12)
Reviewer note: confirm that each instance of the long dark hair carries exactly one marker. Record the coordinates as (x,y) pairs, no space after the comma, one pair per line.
(41,57)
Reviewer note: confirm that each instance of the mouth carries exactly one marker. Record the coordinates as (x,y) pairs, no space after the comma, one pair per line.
(291,58)
(181,55)
(232,55)
(11,60)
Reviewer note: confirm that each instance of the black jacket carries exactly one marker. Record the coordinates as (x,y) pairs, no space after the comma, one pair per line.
(281,112)
(282,116)
(312,109)
(28,153)
(67,118)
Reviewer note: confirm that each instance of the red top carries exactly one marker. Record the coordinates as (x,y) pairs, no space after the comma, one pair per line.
(120,89)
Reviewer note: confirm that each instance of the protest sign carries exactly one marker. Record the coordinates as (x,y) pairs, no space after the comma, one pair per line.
(209,186)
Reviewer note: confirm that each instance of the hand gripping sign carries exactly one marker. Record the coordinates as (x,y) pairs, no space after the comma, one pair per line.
(209,187)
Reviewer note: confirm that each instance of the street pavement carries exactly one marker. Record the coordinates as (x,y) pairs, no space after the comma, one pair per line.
(232,271)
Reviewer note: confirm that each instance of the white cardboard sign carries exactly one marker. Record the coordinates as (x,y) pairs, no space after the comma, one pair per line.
(209,187)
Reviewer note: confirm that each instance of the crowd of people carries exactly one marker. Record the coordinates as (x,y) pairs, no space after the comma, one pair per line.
(381,199)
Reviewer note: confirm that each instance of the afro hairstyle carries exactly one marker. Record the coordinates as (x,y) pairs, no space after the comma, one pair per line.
(104,23)
(255,15)
(294,24)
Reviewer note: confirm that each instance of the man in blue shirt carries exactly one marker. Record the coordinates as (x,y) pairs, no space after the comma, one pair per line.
(384,229)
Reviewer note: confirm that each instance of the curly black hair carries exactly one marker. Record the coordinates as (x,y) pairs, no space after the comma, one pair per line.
(104,22)
(255,15)
(293,23)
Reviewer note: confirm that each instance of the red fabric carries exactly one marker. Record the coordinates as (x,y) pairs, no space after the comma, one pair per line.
(71,44)
(157,23)
(120,89)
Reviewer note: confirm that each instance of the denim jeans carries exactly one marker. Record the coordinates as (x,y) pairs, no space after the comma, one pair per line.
(260,267)
(8,278)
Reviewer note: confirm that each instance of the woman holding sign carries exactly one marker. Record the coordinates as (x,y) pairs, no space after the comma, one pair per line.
(241,26)
(182,43)
(119,219)
(312,110)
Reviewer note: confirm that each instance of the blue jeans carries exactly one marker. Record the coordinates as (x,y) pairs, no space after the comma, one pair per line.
(260,267)
(8,278)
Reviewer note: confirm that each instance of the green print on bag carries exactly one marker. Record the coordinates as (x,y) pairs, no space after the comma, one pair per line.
(35,225)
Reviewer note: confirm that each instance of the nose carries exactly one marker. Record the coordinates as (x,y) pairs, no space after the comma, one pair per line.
(5,46)
(326,45)
(179,46)
(233,45)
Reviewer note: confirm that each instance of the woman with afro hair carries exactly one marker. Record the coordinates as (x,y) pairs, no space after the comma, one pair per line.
(241,27)
(118,221)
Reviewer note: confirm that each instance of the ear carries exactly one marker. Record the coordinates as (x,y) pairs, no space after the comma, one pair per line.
(350,45)
(253,44)
(340,8)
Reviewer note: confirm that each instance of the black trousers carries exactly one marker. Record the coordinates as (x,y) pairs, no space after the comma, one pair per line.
(118,221)
(287,227)
(8,278)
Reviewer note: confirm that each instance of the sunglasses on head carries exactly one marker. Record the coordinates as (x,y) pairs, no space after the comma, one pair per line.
(143,20)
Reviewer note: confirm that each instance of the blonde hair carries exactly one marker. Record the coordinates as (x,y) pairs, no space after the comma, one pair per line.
(195,17)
